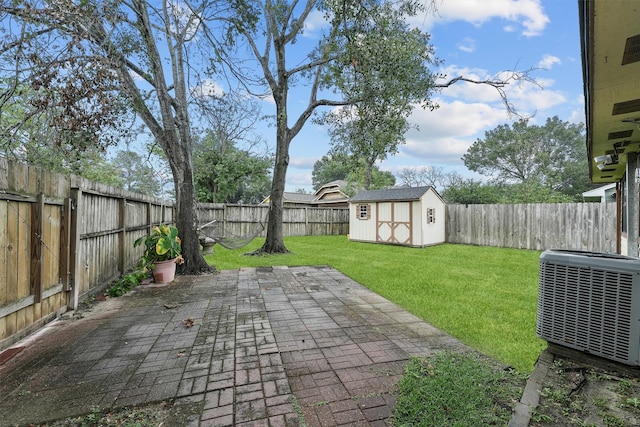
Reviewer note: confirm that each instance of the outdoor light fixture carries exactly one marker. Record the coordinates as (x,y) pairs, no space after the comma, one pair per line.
(606,160)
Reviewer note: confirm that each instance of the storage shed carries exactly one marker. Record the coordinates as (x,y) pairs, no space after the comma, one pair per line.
(412,216)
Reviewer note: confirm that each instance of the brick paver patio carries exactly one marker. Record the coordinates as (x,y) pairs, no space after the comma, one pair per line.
(249,347)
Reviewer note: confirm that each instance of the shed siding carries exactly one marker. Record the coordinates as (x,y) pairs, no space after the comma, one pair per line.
(362,229)
(433,233)
(401,222)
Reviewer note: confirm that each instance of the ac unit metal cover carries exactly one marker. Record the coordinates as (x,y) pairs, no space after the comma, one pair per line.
(590,302)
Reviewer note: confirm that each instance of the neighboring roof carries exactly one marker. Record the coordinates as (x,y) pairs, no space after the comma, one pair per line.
(328,194)
(391,194)
(610,44)
(598,192)
(297,197)
(340,183)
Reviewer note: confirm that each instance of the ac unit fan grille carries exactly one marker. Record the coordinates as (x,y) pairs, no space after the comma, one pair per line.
(587,309)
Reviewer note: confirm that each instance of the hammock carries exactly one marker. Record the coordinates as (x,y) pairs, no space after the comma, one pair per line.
(216,232)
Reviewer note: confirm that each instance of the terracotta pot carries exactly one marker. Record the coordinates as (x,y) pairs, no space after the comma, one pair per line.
(164,271)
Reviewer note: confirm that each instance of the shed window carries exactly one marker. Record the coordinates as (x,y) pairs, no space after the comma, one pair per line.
(364,211)
(431,215)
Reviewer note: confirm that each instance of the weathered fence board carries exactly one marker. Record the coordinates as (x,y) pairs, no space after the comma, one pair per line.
(243,220)
(577,226)
(62,237)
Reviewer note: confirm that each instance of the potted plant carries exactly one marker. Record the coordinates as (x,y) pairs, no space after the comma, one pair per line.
(162,251)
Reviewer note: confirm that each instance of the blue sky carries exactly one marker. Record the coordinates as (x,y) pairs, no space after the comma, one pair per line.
(478,39)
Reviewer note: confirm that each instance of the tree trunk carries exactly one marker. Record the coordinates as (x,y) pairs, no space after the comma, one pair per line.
(274,242)
(187,223)
(369,174)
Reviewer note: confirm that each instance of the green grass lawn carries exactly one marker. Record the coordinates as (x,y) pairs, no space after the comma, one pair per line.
(484,296)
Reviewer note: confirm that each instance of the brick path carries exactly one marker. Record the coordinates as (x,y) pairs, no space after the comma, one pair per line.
(261,347)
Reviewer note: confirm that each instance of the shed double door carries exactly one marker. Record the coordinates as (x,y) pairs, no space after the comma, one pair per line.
(394,223)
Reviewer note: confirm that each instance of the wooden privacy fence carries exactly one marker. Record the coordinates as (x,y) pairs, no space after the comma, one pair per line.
(577,226)
(243,220)
(64,237)
(61,237)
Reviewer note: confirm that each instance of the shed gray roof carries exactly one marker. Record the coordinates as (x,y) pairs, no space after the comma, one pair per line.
(390,194)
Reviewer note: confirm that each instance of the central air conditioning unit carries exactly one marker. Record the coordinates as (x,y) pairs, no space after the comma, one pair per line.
(591,302)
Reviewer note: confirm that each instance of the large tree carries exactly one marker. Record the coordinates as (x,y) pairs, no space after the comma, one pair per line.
(367,58)
(93,57)
(547,156)
(331,72)
(389,75)
(32,134)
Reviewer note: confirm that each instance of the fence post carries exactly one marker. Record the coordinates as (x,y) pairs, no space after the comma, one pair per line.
(122,234)
(74,250)
(37,225)
(149,218)
(65,244)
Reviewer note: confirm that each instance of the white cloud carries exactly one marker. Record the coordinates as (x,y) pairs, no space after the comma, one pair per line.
(527,97)
(525,16)
(208,88)
(303,162)
(468,110)
(314,24)
(468,45)
(548,61)
(445,134)
(298,179)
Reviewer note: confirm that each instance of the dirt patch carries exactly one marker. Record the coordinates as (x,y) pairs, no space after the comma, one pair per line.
(165,413)
(579,393)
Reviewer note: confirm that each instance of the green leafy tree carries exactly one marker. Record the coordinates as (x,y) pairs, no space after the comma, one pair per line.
(330,168)
(388,73)
(352,170)
(467,191)
(227,174)
(136,174)
(377,179)
(470,191)
(34,138)
(550,157)
(330,73)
